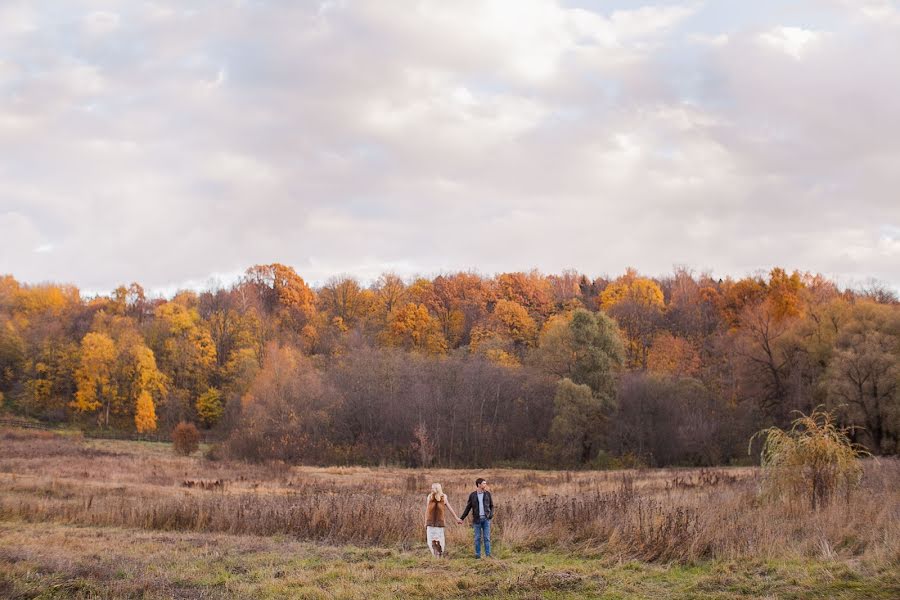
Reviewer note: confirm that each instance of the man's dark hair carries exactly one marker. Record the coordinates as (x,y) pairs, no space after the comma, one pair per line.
(478,481)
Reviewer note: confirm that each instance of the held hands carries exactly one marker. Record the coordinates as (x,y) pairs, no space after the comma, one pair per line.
(459,521)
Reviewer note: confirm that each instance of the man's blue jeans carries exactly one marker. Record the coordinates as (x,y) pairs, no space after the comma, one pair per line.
(482,529)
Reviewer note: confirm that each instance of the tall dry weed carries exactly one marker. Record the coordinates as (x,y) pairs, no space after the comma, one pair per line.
(815,459)
(653,515)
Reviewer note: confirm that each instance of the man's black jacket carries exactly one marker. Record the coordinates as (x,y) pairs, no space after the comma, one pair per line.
(472,505)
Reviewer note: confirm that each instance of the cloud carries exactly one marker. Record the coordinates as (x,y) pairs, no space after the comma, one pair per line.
(793,41)
(169,145)
(101,22)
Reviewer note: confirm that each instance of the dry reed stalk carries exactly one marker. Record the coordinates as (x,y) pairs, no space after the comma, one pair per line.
(661,515)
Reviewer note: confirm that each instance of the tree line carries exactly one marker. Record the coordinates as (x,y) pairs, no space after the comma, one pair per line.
(461,369)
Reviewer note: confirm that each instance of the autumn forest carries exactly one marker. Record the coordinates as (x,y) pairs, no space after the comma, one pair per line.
(518,369)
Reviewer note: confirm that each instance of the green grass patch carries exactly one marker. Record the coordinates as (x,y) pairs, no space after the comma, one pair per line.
(60,561)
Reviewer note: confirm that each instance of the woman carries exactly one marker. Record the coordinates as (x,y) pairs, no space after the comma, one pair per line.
(434,520)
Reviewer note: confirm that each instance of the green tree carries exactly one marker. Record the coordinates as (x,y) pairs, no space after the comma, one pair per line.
(578,423)
(585,350)
(598,352)
(583,346)
(863,377)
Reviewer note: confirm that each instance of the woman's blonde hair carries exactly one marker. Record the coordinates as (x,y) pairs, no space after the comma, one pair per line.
(436,492)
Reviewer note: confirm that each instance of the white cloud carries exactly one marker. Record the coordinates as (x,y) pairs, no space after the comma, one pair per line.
(793,41)
(18,18)
(163,145)
(648,20)
(101,22)
(18,235)
(719,39)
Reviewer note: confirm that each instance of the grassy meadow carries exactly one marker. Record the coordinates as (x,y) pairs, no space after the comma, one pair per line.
(103,518)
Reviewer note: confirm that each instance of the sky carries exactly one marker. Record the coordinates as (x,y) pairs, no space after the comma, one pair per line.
(177,143)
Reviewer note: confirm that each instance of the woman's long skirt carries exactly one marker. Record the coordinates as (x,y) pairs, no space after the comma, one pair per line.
(436,542)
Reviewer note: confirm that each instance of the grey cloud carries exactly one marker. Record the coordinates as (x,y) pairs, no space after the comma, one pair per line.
(166,145)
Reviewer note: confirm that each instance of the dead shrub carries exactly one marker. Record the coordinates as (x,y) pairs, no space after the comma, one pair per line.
(185,438)
(641,515)
(815,459)
(214,453)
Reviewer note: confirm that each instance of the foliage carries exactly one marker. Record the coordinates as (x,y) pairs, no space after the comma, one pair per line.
(209,407)
(664,419)
(631,288)
(145,413)
(94,376)
(413,328)
(286,413)
(672,355)
(695,363)
(185,438)
(582,346)
(578,421)
(637,304)
(815,459)
(863,377)
(596,352)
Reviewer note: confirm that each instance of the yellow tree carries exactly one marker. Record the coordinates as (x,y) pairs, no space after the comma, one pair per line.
(785,293)
(241,369)
(284,294)
(390,293)
(513,320)
(45,300)
(145,413)
(632,288)
(209,407)
(420,291)
(530,290)
(737,295)
(674,356)
(38,321)
(12,353)
(413,328)
(493,346)
(344,298)
(118,374)
(145,382)
(185,347)
(505,334)
(93,377)
(637,305)
(48,376)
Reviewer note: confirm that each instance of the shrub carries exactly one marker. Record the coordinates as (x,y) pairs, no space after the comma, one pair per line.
(214,452)
(185,438)
(814,459)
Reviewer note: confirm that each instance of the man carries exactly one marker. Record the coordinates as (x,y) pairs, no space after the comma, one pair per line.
(482,507)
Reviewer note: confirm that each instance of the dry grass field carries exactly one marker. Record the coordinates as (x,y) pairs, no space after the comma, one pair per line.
(100,518)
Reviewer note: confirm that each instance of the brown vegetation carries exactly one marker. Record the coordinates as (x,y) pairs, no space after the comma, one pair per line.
(681,369)
(814,460)
(185,438)
(655,515)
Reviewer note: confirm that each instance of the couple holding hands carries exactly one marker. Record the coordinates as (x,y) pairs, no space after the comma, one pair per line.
(480,504)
